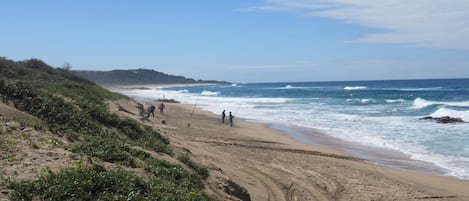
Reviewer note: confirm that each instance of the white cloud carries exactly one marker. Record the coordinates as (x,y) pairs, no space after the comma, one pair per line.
(424,23)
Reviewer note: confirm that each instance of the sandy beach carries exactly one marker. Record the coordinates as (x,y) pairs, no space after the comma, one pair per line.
(272,166)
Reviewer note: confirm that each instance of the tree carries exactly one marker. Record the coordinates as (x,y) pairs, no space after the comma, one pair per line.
(66,66)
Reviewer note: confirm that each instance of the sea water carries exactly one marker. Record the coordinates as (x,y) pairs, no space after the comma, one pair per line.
(381,114)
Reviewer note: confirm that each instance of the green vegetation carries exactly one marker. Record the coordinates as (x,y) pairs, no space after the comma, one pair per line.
(97,183)
(106,149)
(76,109)
(138,76)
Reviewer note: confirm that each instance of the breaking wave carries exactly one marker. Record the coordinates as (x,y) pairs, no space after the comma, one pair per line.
(355,88)
(209,93)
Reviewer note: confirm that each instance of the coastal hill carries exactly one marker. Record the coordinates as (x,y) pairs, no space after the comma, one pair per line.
(137,77)
(63,137)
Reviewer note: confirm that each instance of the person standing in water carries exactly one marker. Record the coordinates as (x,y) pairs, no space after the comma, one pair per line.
(223,115)
(231,119)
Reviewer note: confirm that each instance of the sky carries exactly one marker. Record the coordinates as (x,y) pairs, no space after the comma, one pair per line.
(245,41)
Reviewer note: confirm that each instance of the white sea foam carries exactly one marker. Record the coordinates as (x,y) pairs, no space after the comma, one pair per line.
(395,100)
(234,85)
(355,87)
(421,103)
(367,100)
(209,93)
(288,87)
(464,115)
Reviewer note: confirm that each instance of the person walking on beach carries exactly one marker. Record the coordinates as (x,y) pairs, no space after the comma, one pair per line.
(151,111)
(223,115)
(161,107)
(231,119)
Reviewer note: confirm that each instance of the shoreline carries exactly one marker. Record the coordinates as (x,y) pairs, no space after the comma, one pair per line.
(379,156)
(255,148)
(385,157)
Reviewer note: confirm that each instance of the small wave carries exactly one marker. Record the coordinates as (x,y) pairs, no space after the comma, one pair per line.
(421,103)
(421,89)
(395,100)
(464,115)
(363,100)
(355,88)
(183,91)
(209,93)
(367,100)
(234,85)
(288,87)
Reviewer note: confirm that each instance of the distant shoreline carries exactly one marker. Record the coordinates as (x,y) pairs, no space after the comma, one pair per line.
(116,88)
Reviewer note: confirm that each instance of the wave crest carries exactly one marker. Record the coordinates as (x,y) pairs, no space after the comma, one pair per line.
(209,93)
(355,87)
(421,103)
(395,100)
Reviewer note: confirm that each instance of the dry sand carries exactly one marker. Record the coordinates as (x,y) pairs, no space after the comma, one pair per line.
(272,166)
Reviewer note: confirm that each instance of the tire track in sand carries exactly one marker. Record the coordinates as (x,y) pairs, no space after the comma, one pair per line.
(278,149)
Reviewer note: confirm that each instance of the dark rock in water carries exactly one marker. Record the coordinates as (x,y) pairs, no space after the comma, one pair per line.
(443,120)
(426,118)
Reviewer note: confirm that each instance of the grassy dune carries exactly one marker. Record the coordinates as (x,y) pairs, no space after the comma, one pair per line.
(111,154)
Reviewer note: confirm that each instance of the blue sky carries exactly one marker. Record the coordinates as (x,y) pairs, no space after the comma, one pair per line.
(245,41)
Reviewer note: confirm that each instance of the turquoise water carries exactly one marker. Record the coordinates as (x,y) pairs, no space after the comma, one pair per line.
(383,114)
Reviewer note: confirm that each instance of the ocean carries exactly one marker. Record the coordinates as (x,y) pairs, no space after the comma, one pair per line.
(378,116)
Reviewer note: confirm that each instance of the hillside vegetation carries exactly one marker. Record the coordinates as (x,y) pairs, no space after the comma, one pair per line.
(137,77)
(85,151)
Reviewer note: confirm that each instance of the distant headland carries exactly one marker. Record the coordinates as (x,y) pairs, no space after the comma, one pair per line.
(138,77)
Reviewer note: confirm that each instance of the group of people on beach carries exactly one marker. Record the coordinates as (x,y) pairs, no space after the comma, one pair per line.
(151,109)
(223,116)
(161,107)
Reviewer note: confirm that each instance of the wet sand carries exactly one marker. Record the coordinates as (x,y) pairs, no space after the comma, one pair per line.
(379,156)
